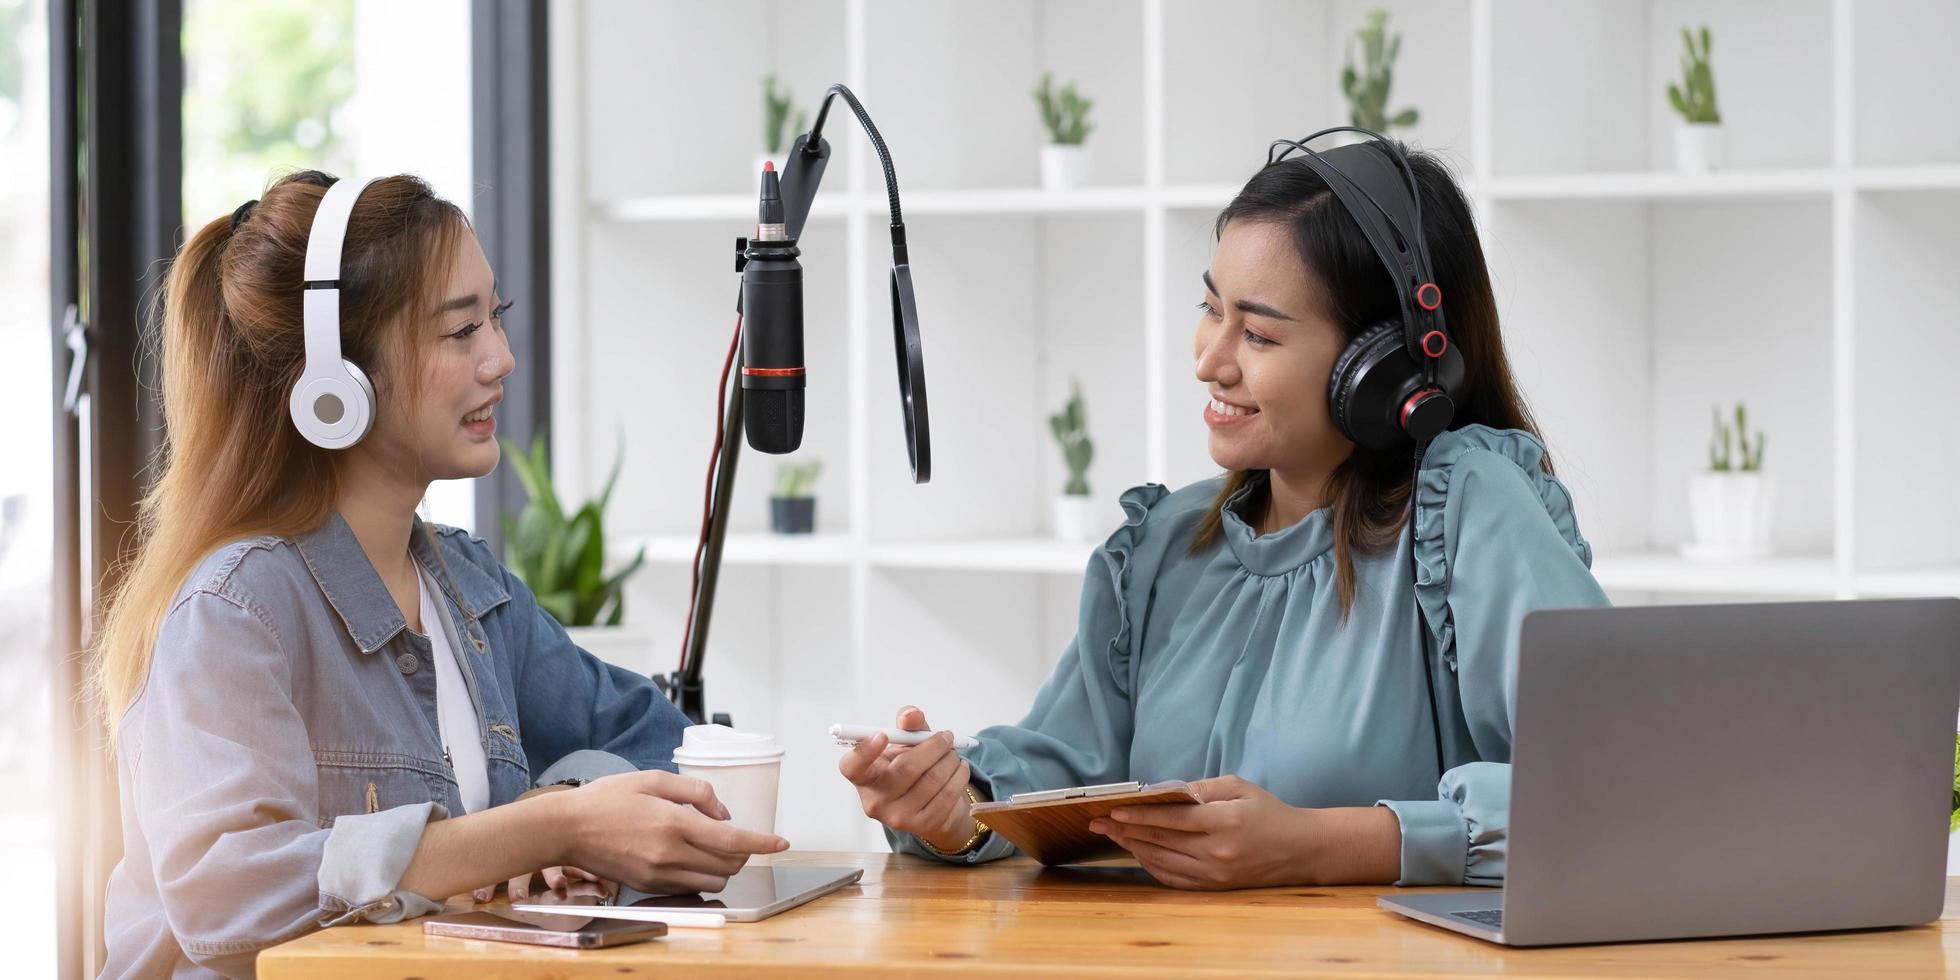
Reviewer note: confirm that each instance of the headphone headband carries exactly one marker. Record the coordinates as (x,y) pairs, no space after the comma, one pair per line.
(329,229)
(1396,380)
(1377,186)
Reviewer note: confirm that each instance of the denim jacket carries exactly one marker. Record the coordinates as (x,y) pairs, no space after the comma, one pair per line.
(282,758)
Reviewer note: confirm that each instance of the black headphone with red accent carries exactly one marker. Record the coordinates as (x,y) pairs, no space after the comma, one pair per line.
(1395,383)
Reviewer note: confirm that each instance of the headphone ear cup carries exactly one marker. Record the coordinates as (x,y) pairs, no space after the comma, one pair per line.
(334,409)
(1362,361)
(364,405)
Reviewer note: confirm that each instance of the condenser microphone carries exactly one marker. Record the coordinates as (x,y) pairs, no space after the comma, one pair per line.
(773,377)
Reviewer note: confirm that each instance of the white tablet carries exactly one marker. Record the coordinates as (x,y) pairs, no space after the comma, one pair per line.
(753,894)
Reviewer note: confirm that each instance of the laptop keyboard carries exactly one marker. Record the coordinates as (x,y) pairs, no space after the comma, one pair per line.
(1494,918)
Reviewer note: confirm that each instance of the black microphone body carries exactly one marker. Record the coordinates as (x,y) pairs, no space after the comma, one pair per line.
(773,376)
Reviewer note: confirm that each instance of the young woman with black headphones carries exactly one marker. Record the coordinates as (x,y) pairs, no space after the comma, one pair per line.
(1323,637)
(324,709)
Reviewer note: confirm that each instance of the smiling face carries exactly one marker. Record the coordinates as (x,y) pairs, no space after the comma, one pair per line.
(447,429)
(1266,344)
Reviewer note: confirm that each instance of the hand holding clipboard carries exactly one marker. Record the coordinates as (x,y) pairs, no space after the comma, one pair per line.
(1052,826)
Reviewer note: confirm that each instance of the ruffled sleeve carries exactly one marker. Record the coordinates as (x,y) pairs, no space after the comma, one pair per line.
(1495,538)
(1078,732)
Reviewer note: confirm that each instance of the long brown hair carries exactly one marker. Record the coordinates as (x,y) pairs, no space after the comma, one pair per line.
(232,341)
(1370,490)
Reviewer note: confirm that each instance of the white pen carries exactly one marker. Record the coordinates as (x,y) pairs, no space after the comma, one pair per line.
(853,734)
(677,920)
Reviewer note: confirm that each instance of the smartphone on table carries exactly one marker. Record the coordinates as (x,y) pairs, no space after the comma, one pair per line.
(540,929)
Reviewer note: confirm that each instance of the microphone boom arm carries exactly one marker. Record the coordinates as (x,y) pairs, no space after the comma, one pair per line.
(802,174)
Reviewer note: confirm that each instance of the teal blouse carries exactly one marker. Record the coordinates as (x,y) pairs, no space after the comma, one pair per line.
(1235,660)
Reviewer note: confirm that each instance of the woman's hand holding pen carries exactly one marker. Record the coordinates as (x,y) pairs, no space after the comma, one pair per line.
(1244,837)
(919,789)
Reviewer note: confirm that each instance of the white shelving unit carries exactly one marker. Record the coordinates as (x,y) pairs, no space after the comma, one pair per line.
(1812,279)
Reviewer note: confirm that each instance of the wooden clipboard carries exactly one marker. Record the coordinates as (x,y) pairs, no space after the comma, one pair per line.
(1053,826)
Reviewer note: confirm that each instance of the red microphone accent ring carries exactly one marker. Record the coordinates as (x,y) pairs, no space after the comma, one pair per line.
(1442,344)
(772,372)
(1429,296)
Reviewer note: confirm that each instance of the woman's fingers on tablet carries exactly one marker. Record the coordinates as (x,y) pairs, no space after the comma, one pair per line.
(561,879)
(707,860)
(678,882)
(725,838)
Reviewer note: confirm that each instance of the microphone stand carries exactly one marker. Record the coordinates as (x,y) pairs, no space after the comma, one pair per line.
(801,175)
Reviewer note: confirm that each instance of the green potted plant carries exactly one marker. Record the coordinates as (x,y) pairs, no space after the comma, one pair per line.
(1731,503)
(562,561)
(1953,822)
(1065,115)
(1367,85)
(793,507)
(1699,145)
(1074,511)
(778,134)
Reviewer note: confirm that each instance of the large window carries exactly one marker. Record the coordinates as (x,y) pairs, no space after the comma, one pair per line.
(27,918)
(347,86)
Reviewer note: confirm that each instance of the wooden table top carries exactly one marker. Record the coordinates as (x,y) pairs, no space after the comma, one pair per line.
(911,916)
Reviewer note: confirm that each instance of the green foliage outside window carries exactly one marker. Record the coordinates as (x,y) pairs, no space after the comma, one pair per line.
(266,83)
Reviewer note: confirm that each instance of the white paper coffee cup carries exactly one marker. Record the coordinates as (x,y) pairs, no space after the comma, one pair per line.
(743,767)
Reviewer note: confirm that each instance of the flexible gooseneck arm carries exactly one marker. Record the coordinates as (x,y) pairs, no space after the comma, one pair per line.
(802,174)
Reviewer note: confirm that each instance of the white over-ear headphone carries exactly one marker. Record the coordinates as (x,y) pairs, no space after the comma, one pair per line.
(333,402)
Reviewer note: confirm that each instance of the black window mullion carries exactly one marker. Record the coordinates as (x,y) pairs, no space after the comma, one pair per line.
(116,130)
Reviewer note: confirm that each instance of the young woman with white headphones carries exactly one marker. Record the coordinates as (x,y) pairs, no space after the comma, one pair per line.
(325,710)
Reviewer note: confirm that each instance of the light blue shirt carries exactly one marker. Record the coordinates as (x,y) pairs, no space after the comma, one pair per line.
(1235,660)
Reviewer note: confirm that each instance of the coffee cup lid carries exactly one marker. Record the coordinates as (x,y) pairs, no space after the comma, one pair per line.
(720,745)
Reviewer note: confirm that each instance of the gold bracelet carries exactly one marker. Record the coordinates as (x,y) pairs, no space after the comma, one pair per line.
(981,829)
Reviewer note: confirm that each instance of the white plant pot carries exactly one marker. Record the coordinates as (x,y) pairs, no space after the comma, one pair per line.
(1953,854)
(622,646)
(1700,147)
(1074,517)
(1731,514)
(1063,167)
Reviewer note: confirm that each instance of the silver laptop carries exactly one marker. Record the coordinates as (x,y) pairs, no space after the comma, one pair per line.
(1723,771)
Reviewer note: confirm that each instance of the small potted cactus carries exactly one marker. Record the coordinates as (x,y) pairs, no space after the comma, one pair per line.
(778,135)
(1366,86)
(1732,503)
(1699,143)
(793,508)
(1074,511)
(1065,115)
